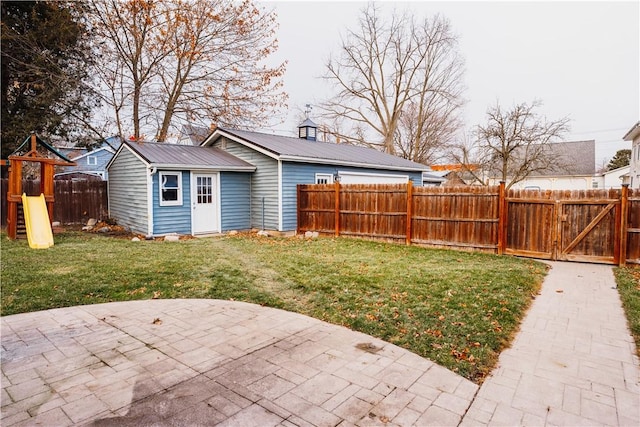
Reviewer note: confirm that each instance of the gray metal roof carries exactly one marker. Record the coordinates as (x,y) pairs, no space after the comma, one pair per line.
(301,150)
(193,157)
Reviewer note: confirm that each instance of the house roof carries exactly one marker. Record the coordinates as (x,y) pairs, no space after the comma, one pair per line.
(300,150)
(195,134)
(632,133)
(573,158)
(175,156)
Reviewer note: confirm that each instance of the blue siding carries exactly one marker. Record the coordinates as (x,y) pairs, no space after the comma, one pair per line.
(264,184)
(172,219)
(305,173)
(235,201)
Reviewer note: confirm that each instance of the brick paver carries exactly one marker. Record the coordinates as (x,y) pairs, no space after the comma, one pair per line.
(573,362)
(206,362)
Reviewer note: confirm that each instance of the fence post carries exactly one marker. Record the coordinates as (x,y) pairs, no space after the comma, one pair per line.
(502,219)
(298,210)
(409,210)
(336,185)
(624,212)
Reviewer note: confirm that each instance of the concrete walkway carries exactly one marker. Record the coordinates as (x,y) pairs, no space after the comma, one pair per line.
(573,362)
(206,362)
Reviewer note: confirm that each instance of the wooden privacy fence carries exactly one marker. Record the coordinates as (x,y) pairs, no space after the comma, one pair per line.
(590,225)
(75,201)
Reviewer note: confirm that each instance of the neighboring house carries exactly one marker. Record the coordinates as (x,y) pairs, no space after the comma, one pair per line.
(633,135)
(433,178)
(236,180)
(90,163)
(454,175)
(193,135)
(611,179)
(577,170)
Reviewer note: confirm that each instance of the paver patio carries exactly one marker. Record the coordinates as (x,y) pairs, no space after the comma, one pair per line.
(205,362)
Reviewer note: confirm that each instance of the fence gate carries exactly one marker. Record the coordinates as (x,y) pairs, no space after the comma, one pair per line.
(565,227)
(587,230)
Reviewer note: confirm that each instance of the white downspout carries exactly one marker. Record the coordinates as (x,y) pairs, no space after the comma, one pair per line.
(150,172)
(280,195)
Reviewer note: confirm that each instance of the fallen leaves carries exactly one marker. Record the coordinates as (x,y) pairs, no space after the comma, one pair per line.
(463,355)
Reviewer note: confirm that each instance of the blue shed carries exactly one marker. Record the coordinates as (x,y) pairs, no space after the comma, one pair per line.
(158,189)
(237,180)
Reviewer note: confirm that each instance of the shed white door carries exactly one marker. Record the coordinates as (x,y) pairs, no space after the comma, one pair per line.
(204,203)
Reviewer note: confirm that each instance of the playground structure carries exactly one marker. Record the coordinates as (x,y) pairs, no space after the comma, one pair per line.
(15,194)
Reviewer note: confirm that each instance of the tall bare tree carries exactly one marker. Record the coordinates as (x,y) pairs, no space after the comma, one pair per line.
(189,60)
(513,145)
(400,83)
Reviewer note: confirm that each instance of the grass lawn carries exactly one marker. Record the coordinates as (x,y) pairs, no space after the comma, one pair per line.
(628,281)
(459,309)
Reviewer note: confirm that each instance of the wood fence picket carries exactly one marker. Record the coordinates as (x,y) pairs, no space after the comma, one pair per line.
(587,225)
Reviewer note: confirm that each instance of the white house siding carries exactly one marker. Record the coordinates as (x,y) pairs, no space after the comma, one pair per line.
(634,172)
(613,179)
(127,189)
(172,219)
(294,173)
(264,184)
(554,183)
(235,201)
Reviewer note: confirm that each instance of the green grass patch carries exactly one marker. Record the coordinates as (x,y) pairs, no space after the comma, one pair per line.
(628,281)
(459,309)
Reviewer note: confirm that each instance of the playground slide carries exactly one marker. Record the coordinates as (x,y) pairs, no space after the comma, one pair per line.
(36,219)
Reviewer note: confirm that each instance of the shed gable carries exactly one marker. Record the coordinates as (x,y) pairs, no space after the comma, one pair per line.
(128,191)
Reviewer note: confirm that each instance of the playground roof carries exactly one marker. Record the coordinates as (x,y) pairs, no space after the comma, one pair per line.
(44,144)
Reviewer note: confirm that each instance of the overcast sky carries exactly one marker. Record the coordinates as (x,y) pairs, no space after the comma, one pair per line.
(582,59)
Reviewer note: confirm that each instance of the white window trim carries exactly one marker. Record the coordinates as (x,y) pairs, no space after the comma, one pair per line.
(92,160)
(327,176)
(171,202)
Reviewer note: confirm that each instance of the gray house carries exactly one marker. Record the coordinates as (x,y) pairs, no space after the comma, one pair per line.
(236,180)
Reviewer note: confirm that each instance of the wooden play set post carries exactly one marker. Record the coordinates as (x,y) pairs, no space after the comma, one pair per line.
(14,190)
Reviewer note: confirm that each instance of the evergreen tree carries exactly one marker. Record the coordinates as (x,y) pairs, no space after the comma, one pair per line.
(621,158)
(46,57)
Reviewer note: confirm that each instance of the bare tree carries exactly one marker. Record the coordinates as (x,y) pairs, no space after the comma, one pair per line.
(513,145)
(189,60)
(400,83)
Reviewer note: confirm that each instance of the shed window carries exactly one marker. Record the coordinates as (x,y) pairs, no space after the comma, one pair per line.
(170,188)
(92,160)
(324,178)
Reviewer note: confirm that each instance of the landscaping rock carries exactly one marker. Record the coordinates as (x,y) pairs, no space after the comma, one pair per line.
(171,238)
(232,233)
(311,235)
(135,239)
(92,222)
(263,233)
(55,224)
(104,230)
(87,228)
(148,237)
